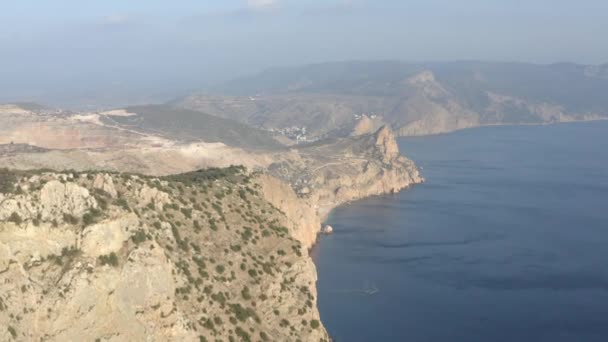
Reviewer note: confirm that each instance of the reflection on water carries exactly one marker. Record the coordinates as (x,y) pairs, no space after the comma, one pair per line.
(505,242)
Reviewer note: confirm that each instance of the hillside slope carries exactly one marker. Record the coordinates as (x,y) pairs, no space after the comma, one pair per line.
(187,125)
(120,257)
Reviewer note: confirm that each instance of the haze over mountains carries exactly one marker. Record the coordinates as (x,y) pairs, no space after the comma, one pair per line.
(337,99)
(414,98)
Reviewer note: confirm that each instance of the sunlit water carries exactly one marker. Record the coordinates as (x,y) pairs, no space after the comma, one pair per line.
(507,241)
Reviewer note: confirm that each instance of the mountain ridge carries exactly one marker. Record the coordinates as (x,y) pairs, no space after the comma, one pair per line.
(330,98)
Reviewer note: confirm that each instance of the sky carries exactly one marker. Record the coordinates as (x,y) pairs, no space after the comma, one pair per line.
(67,48)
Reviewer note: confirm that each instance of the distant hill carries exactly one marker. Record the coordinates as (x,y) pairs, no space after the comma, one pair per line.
(415,99)
(188,125)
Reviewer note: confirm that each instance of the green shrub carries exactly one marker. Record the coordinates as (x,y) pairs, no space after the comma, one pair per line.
(314,324)
(220,269)
(171,206)
(245,293)
(15,218)
(242,314)
(242,334)
(103,204)
(139,237)
(187,212)
(121,202)
(110,259)
(7,181)
(12,331)
(91,217)
(70,219)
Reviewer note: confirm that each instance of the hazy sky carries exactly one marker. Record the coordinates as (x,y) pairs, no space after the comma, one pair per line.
(69,45)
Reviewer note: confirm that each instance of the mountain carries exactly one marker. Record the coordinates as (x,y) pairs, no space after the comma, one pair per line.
(415,99)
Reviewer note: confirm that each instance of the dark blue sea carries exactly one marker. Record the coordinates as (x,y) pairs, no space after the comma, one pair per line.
(506,241)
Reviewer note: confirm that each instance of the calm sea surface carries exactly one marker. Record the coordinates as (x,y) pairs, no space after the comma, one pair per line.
(507,241)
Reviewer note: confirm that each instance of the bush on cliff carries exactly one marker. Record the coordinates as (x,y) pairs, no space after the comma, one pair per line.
(15,218)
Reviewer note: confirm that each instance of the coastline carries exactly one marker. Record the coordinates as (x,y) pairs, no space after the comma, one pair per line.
(386,247)
(449,131)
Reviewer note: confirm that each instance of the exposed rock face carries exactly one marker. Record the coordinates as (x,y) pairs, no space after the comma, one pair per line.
(104,182)
(58,130)
(387,144)
(189,257)
(53,201)
(153,195)
(108,236)
(64,198)
(303,217)
(327,175)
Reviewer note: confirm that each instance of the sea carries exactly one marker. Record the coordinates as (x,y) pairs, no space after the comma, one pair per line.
(507,240)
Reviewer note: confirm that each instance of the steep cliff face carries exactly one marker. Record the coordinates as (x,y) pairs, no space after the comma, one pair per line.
(324,175)
(116,257)
(371,165)
(302,215)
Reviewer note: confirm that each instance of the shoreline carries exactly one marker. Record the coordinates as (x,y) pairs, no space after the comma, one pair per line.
(540,124)
(324,217)
(314,247)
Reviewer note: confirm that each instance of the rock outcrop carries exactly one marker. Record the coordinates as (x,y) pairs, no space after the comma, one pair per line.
(325,175)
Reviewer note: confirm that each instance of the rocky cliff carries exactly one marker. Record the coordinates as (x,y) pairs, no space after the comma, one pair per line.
(324,175)
(211,255)
(117,257)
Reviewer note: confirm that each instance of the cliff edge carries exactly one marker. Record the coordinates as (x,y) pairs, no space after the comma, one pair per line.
(324,175)
(119,257)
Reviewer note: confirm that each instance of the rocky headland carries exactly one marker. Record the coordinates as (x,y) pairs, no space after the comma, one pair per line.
(141,246)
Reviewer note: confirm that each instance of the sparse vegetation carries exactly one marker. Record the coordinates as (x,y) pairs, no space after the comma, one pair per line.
(70,219)
(15,218)
(139,237)
(222,240)
(7,181)
(110,259)
(91,217)
(12,331)
(121,202)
